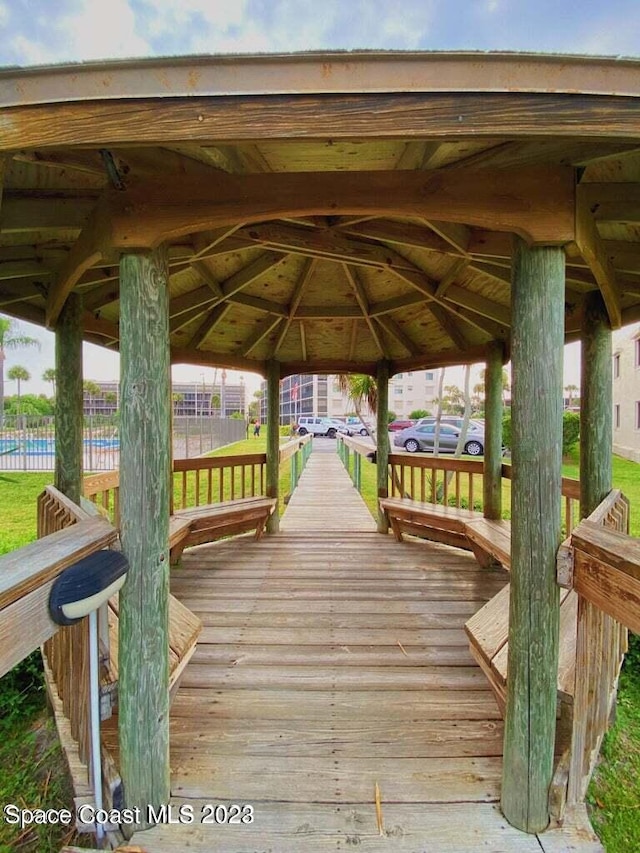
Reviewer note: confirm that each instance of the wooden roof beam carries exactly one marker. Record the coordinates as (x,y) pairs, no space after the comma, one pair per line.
(253,271)
(449,278)
(401,233)
(267,306)
(322,244)
(446,321)
(592,250)
(24,213)
(261,333)
(458,236)
(484,307)
(208,325)
(303,343)
(537,203)
(296,297)
(361,298)
(392,328)
(388,306)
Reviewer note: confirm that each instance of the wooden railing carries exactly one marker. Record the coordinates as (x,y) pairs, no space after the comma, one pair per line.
(443,479)
(605,564)
(207,479)
(66,654)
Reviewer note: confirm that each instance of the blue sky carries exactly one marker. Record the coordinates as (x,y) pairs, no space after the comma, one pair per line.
(43,31)
(34,32)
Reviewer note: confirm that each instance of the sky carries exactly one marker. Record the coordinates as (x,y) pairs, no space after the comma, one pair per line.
(36,32)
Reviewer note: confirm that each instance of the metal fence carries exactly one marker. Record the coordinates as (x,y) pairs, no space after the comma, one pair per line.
(28,443)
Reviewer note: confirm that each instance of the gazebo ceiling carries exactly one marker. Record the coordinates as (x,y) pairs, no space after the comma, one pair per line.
(329,224)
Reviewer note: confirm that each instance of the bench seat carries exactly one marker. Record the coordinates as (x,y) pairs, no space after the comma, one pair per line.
(209,522)
(490,541)
(184,630)
(438,523)
(488,633)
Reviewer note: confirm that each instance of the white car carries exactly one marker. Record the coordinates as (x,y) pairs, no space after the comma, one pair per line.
(322,426)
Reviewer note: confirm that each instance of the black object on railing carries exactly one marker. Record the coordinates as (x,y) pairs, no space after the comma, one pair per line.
(85,586)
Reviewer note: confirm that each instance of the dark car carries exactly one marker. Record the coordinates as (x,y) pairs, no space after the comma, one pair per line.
(423,438)
(395,426)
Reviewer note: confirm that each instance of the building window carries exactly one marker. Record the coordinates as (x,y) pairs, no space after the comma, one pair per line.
(397,391)
(429,375)
(616,365)
(398,376)
(616,416)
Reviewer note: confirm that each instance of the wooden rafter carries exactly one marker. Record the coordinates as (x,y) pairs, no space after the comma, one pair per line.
(395,331)
(450,277)
(447,322)
(401,233)
(353,339)
(208,325)
(296,297)
(265,328)
(458,236)
(303,341)
(361,298)
(485,307)
(592,250)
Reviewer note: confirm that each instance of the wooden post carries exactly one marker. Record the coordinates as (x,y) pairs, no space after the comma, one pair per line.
(382,452)
(273,440)
(492,480)
(69,417)
(145,458)
(537,340)
(596,428)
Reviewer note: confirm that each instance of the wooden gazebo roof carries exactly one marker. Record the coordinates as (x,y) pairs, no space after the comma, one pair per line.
(326,211)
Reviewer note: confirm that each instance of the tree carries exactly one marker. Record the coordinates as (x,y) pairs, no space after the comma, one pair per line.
(49,375)
(10,339)
(177,399)
(453,400)
(360,389)
(18,374)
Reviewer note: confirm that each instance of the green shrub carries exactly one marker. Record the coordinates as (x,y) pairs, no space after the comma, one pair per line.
(391,416)
(570,431)
(416,414)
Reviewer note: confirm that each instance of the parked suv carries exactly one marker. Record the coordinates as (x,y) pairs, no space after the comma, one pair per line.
(322,426)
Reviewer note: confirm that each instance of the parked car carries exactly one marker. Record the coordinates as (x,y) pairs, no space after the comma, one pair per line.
(423,438)
(356,425)
(453,420)
(322,426)
(395,426)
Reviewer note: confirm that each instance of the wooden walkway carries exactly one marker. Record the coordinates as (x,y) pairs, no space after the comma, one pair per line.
(334,664)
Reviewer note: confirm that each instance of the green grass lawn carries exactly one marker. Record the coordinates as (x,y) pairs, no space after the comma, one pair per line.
(32,769)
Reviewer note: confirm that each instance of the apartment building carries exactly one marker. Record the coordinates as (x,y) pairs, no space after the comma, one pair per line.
(626,393)
(310,394)
(190,399)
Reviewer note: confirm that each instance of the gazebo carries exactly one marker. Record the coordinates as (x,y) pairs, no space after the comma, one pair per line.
(365,212)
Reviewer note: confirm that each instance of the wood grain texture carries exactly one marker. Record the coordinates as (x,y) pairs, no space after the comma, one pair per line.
(144,494)
(492,479)
(537,311)
(69,399)
(596,406)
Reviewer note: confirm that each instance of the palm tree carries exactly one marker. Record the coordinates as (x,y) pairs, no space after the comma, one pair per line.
(18,374)
(49,375)
(10,339)
(360,389)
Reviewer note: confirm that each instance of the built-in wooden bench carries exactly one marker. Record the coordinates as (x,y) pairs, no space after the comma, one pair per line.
(207,523)
(490,540)
(488,632)
(184,630)
(438,523)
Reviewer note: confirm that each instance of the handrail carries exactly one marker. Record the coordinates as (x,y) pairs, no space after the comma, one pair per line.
(443,479)
(214,478)
(26,578)
(605,574)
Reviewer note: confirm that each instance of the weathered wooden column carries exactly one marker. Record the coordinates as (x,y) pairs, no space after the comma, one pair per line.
(382,431)
(69,402)
(145,456)
(492,480)
(537,340)
(273,440)
(596,428)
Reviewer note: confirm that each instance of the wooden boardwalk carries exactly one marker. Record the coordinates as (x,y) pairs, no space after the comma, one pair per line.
(333,664)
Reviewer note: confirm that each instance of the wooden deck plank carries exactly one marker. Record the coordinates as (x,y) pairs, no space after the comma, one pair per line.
(333,660)
(292,828)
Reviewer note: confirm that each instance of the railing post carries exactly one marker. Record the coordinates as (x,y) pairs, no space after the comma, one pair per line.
(357,471)
(294,472)
(143,692)
(273,440)
(346,457)
(537,347)
(382,451)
